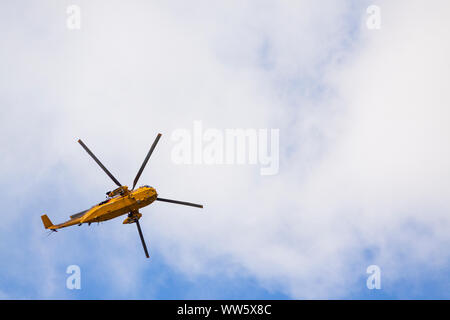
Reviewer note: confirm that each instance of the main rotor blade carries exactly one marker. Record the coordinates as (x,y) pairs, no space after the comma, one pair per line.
(99,163)
(181,202)
(142,238)
(146,160)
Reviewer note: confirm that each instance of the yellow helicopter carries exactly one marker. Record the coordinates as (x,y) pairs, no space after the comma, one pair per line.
(120,201)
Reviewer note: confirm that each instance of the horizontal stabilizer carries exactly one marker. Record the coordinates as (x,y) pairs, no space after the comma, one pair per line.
(77,215)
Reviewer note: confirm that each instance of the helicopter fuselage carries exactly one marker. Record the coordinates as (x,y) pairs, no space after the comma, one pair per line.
(122,202)
(119,205)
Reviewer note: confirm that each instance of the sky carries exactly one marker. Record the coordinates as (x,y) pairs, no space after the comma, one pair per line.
(364,125)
